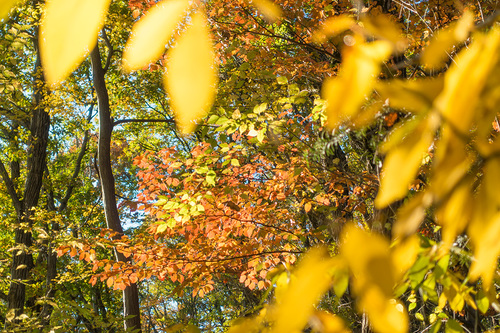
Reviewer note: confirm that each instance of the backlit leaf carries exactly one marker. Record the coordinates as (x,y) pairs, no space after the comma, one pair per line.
(311,280)
(348,91)
(437,51)
(406,148)
(270,10)
(369,258)
(333,26)
(68,33)
(191,75)
(150,34)
(5,7)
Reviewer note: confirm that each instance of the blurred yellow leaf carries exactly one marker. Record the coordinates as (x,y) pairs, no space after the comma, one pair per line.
(416,96)
(311,280)
(369,259)
(406,148)
(436,53)
(485,226)
(371,262)
(5,7)
(325,322)
(150,34)
(404,253)
(191,75)
(332,27)
(381,26)
(386,315)
(465,80)
(411,215)
(68,33)
(348,91)
(270,10)
(455,213)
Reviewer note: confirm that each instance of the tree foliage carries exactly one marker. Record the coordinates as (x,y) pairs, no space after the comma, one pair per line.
(324,154)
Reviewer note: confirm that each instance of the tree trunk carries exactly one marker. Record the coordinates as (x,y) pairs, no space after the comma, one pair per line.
(22,258)
(130,294)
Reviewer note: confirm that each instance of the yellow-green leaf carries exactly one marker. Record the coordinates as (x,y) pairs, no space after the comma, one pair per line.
(191,75)
(5,7)
(150,34)
(68,33)
(311,280)
(482,301)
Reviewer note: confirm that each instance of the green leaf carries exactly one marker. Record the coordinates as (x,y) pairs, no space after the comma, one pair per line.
(452,326)
(482,301)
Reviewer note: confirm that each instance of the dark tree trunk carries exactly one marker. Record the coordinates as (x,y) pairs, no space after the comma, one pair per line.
(22,259)
(130,294)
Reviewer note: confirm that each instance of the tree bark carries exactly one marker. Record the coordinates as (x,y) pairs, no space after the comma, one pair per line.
(130,294)
(22,258)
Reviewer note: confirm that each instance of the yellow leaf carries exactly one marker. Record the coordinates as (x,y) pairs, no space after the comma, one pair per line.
(416,96)
(369,259)
(348,91)
(485,226)
(150,34)
(382,26)
(411,215)
(436,53)
(332,27)
(406,148)
(371,262)
(5,7)
(68,33)
(328,323)
(404,254)
(191,76)
(455,213)
(465,80)
(270,10)
(386,315)
(311,280)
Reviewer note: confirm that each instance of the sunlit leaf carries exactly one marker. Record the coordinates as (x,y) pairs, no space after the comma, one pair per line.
(453,326)
(68,33)
(436,53)
(482,301)
(311,280)
(406,148)
(150,34)
(6,6)
(328,323)
(370,260)
(191,75)
(348,91)
(382,26)
(410,95)
(465,80)
(270,10)
(404,254)
(411,215)
(332,27)
(485,226)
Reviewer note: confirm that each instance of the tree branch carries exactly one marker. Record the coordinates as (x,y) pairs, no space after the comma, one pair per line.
(11,189)
(124,121)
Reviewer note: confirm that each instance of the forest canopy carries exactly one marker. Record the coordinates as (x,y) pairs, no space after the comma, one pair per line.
(249,166)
